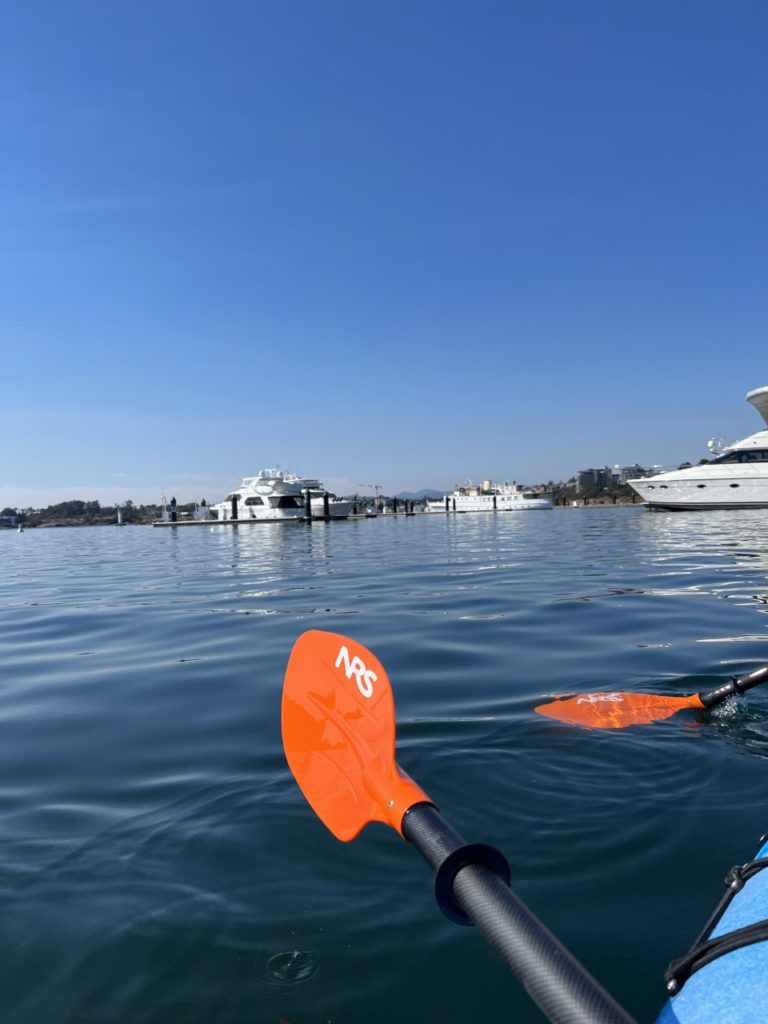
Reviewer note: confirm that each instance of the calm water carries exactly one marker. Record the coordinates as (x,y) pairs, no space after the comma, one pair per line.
(157,862)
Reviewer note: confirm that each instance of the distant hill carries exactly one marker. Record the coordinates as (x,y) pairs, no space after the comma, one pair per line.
(418,495)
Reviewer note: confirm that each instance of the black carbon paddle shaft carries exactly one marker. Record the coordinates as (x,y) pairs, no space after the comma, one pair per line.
(711,698)
(558,984)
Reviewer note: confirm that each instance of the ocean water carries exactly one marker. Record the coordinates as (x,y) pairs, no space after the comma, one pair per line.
(158,863)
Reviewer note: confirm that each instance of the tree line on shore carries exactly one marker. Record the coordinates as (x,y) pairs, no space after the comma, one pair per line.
(85,513)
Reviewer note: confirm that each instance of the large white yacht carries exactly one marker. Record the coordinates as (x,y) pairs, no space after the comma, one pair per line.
(737,478)
(275,494)
(490,497)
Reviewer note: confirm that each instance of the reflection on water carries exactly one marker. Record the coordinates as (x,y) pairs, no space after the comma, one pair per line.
(157,862)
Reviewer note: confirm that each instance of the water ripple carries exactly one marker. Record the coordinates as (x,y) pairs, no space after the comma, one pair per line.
(158,863)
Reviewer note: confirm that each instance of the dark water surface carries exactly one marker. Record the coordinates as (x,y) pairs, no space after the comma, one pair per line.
(157,862)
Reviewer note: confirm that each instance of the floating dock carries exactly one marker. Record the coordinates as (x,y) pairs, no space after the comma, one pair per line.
(202,517)
(268,522)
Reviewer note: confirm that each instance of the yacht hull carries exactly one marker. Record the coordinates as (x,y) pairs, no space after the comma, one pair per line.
(702,492)
(485,504)
(685,507)
(336,510)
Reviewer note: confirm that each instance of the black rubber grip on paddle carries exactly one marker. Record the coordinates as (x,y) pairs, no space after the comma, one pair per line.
(711,698)
(555,980)
(471,853)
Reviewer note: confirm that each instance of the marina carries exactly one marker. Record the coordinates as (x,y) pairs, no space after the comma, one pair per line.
(273,496)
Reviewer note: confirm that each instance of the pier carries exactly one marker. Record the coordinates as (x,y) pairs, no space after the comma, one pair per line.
(293,519)
(202,515)
(267,522)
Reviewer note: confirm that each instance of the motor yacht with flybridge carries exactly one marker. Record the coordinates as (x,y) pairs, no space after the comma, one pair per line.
(490,497)
(737,478)
(274,494)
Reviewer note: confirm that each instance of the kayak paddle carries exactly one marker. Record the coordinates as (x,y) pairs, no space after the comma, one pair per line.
(620,710)
(338,724)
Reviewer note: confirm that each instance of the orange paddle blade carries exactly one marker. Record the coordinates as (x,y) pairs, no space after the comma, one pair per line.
(616,710)
(339,735)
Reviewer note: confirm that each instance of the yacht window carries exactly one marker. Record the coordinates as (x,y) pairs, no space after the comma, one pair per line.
(734,485)
(753,455)
(701,485)
(285,501)
(254,501)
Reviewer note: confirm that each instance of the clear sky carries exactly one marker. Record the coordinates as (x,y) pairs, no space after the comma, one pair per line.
(406,242)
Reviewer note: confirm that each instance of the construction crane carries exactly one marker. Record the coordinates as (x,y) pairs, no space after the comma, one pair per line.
(376,492)
(376,488)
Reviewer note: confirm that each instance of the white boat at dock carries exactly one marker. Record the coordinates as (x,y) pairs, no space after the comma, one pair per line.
(737,478)
(274,494)
(490,497)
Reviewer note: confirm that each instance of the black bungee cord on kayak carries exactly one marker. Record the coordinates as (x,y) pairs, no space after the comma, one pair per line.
(704,949)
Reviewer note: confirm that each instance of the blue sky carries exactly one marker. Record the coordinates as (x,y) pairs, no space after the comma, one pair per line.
(403,243)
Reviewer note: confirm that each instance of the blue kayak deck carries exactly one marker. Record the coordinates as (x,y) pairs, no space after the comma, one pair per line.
(734,988)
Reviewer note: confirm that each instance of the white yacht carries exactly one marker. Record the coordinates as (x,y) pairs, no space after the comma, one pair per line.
(490,497)
(737,478)
(274,494)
